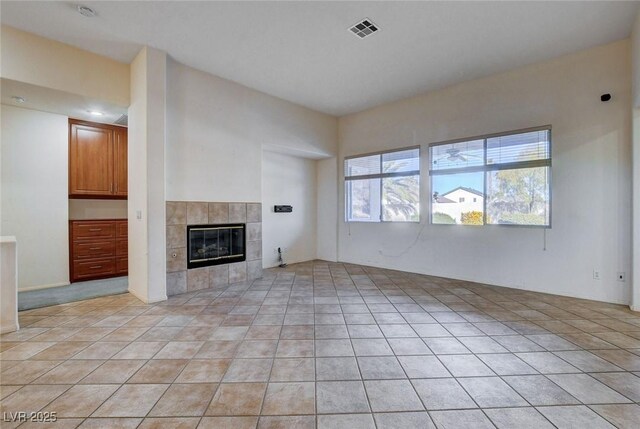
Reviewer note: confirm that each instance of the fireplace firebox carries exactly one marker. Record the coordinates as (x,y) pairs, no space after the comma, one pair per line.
(215,244)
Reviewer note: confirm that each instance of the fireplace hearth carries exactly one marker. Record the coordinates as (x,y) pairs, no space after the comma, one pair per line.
(215,244)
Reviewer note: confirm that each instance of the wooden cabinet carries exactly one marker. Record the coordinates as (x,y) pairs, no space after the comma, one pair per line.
(122,247)
(98,249)
(97,160)
(120,162)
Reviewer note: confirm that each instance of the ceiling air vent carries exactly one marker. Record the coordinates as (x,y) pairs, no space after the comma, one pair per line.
(122,120)
(364,28)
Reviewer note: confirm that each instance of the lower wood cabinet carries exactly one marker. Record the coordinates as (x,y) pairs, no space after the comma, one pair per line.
(98,249)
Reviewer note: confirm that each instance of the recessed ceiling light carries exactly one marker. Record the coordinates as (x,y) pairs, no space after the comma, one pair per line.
(364,28)
(85,11)
(95,113)
(18,99)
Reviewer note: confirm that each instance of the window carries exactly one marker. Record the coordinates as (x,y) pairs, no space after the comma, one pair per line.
(495,180)
(383,187)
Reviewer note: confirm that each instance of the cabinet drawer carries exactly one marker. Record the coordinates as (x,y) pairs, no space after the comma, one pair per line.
(94,268)
(94,249)
(122,265)
(122,247)
(84,230)
(122,229)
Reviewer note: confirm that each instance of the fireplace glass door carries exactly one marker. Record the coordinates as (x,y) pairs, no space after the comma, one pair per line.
(215,244)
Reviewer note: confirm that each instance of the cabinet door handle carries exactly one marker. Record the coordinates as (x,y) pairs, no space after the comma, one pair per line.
(95,248)
(95,229)
(95,267)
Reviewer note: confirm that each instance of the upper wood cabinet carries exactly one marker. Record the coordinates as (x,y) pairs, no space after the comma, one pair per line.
(97,160)
(120,162)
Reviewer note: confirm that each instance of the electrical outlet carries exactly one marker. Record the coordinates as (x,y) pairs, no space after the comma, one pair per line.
(621,277)
(596,275)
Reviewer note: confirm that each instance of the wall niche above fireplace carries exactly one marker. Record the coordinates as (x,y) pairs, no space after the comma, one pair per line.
(215,244)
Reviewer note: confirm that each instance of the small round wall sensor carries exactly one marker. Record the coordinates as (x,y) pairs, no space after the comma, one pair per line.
(86,11)
(605,97)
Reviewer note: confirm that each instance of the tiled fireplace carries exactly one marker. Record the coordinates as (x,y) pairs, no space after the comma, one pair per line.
(215,230)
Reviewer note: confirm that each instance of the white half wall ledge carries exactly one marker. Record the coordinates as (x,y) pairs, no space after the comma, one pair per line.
(9,285)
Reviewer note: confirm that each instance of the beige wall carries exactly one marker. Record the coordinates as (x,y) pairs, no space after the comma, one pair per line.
(327,217)
(635,274)
(635,58)
(216,130)
(146,197)
(34,189)
(43,62)
(288,180)
(635,69)
(97,209)
(591,183)
(216,133)
(9,281)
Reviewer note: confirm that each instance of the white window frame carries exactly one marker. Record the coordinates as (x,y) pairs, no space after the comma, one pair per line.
(485,168)
(382,176)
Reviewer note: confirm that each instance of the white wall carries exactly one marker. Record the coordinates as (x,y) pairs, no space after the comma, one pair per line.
(635,271)
(216,133)
(635,70)
(9,280)
(97,209)
(47,63)
(216,130)
(34,192)
(137,180)
(327,217)
(635,58)
(292,181)
(146,194)
(591,159)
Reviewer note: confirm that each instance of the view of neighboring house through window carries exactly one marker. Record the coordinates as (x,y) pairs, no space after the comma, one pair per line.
(383,187)
(500,179)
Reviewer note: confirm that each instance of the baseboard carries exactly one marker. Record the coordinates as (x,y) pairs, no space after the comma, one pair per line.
(147,300)
(29,299)
(10,329)
(40,287)
(160,299)
(134,293)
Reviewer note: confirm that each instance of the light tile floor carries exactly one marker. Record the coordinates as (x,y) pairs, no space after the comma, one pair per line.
(328,346)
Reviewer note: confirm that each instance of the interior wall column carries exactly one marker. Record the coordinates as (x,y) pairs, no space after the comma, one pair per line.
(635,136)
(635,259)
(146,205)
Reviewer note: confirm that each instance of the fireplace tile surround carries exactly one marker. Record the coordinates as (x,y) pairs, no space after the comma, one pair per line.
(179,214)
